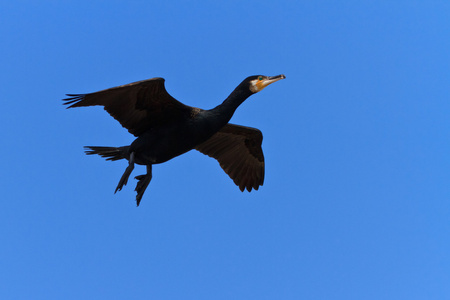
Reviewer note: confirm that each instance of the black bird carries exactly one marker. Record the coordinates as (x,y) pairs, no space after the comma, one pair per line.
(166,128)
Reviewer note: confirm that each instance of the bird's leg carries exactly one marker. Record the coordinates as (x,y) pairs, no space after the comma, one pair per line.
(142,184)
(123,181)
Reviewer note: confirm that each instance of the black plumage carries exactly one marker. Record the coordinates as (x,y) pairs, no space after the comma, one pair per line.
(166,128)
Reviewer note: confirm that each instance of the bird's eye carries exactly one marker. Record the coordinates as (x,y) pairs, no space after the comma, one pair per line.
(260,78)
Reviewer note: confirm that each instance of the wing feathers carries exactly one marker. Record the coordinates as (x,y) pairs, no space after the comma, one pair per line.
(138,106)
(238,151)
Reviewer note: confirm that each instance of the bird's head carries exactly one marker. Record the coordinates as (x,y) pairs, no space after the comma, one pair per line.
(259,82)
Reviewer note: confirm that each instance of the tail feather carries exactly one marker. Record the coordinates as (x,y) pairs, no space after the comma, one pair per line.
(110,153)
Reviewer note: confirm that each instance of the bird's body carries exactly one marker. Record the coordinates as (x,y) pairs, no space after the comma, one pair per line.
(166,128)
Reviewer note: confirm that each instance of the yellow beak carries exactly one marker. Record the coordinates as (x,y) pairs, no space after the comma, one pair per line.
(268,80)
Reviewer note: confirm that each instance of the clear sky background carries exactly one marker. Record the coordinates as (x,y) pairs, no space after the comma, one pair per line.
(356,199)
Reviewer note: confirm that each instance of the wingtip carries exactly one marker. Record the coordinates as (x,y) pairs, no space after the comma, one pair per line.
(73,99)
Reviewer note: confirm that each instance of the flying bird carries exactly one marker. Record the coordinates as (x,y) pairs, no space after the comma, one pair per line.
(165,128)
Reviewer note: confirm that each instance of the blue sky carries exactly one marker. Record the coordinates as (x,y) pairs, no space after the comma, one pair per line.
(356,200)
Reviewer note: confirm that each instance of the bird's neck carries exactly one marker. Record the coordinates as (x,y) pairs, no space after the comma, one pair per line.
(222,113)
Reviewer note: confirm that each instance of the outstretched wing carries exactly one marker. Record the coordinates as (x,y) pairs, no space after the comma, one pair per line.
(238,151)
(137,106)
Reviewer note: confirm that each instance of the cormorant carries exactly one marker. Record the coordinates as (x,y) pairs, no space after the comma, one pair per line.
(166,128)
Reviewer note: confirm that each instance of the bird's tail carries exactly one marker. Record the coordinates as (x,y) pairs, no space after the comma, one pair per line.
(110,153)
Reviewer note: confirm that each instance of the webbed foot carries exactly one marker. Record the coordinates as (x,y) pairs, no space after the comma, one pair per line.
(124,179)
(142,184)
